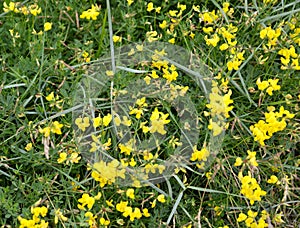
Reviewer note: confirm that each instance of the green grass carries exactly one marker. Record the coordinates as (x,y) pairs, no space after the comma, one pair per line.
(71,60)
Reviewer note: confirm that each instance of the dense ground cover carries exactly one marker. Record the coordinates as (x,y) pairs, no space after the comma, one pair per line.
(80,137)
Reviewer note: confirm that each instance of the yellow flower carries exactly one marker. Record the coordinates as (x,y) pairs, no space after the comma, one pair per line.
(107,119)
(109,203)
(251,158)
(46,131)
(106,173)
(35,9)
(150,6)
(97,122)
(125,148)
(172,40)
(147,79)
(11,7)
(50,97)
(163,25)
(129,2)
(117,38)
(59,215)
(25,10)
(196,8)
(225,7)
(242,217)
(209,17)
(273,180)
(218,210)
(262,85)
(173,13)
(212,41)
(238,161)
(273,86)
(121,207)
(86,200)
(233,65)
(132,162)
(82,123)
(56,127)
(199,155)
(224,47)
(130,193)
(208,30)
(146,213)
(91,219)
(251,190)
(109,73)
(152,36)
(278,218)
(135,214)
(62,157)
(37,33)
(86,57)
(37,211)
(91,13)
(28,146)
(47,26)
(127,211)
(74,158)
(104,222)
(158,120)
(161,198)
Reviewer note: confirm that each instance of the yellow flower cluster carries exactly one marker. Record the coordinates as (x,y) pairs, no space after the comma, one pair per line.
(126,148)
(17,8)
(54,100)
(136,213)
(290,59)
(86,57)
(225,33)
(73,158)
(150,7)
(175,16)
(251,159)
(251,220)
(274,122)
(59,216)
(168,72)
(270,85)
(270,34)
(139,110)
(158,121)
(219,109)
(107,173)
(36,221)
(129,211)
(152,167)
(200,156)
(88,201)
(54,127)
(251,189)
(296,35)
(84,122)
(91,13)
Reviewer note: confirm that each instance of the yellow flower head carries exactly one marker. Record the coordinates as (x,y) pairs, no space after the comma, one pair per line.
(92,13)
(47,26)
(161,198)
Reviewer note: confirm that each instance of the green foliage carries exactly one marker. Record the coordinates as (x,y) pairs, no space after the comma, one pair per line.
(33,170)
